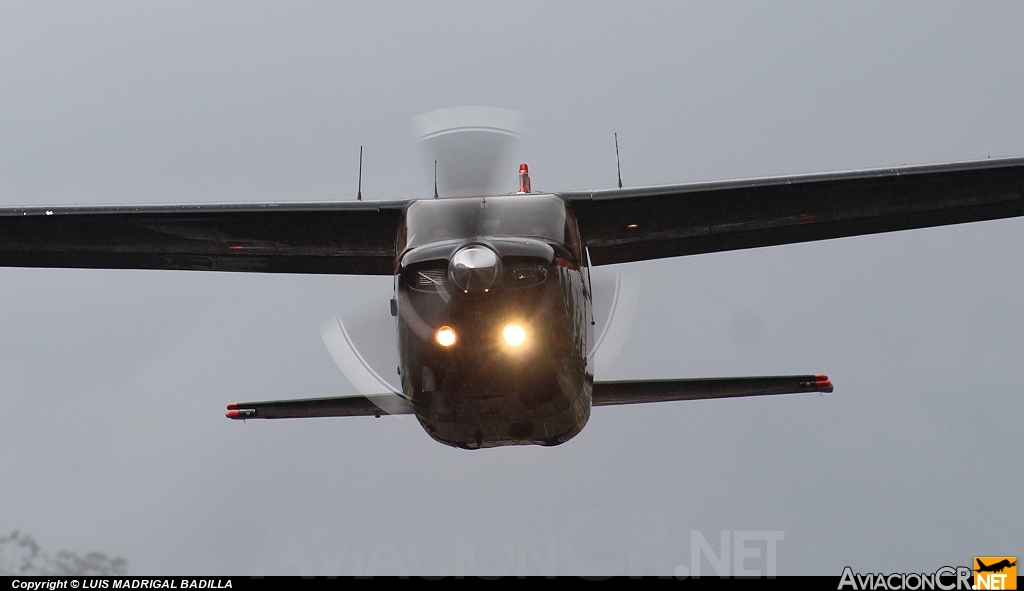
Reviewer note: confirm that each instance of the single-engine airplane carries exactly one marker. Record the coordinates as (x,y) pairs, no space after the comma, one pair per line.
(492,293)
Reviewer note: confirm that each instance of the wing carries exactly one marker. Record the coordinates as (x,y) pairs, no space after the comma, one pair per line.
(355,237)
(623,225)
(641,391)
(345,406)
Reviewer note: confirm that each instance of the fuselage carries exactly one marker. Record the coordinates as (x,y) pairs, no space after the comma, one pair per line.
(493,306)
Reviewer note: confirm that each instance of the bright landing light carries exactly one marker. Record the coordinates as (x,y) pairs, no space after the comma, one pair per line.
(514,334)
(445,336)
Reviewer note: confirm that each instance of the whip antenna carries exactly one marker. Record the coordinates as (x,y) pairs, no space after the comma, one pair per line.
(435,179)
(359,190)
(618,169)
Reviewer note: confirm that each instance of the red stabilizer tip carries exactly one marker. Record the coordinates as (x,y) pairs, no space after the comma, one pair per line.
(824,386)
(232,414)
(821,377)
(233,406)
(524,168)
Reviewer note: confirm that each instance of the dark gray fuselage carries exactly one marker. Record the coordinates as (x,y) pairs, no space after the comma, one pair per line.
(482,391)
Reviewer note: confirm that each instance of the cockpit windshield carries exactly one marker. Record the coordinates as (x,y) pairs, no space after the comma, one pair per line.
(434,220)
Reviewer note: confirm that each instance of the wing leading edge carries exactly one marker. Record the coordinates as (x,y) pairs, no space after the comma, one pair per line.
(624,225)
(336,238)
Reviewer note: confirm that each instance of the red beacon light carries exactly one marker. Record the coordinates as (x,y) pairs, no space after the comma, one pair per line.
(524,179)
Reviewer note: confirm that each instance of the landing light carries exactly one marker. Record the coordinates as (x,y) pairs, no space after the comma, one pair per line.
(514,334)
(445,336)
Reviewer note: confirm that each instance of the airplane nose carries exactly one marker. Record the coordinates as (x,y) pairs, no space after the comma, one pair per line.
(474,268)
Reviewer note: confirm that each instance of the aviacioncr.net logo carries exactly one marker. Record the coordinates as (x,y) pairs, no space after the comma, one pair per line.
(946,578)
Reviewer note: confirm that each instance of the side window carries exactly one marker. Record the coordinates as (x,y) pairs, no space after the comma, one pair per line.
(403,231)
(572,236)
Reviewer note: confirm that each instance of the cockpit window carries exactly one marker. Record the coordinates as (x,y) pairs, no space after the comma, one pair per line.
(434,220)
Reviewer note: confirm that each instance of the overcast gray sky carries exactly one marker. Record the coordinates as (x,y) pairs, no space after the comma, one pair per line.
(113,383)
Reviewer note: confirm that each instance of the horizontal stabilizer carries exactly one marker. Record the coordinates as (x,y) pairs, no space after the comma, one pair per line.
(641,391)
(342,406)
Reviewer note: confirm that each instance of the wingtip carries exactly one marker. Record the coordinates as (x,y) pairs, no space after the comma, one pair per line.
(232,413)
(823,384)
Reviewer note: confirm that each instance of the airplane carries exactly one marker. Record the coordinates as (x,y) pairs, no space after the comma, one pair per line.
(492,293)
(994,568)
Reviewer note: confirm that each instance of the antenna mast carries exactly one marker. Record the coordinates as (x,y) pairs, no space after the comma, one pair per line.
(618,169)
(359,190)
